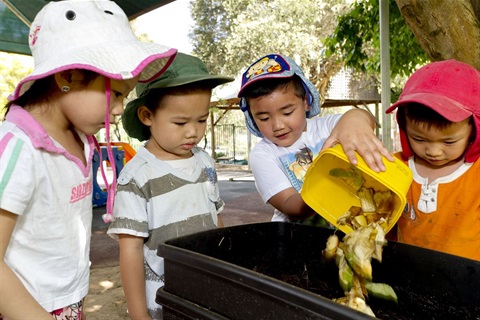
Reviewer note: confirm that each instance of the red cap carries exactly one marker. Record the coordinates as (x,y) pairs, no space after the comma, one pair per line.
(450,88)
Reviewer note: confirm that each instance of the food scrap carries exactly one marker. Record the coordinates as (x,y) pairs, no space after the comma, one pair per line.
(353,255)
(375,206)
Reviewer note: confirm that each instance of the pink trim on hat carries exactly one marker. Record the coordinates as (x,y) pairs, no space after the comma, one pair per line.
(115,76)
(144,64)
(73,66)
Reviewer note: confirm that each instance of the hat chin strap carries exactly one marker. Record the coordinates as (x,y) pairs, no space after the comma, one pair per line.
(108,216)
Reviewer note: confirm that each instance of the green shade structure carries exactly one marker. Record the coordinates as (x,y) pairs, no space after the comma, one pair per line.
(16,16)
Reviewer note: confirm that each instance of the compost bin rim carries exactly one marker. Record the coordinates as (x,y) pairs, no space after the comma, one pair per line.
(419,255)
(273,287)
(185,307)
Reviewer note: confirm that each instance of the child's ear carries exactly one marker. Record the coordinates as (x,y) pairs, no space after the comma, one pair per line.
(68,77)
(145,115)
(306,103)
(63,78)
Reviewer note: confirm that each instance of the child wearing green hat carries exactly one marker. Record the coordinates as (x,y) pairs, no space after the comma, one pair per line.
(169,188)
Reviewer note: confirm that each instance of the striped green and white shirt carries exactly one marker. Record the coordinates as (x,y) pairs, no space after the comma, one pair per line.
(158,201)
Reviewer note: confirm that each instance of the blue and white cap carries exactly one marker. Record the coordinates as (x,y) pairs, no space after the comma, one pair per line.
(275,66)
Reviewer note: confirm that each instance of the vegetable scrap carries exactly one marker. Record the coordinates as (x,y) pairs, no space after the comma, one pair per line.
(353,255)
(375,206)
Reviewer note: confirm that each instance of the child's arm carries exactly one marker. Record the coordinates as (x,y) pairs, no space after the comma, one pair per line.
(15,302)
(133,275)
(290,203)
(219,221)
(354,131)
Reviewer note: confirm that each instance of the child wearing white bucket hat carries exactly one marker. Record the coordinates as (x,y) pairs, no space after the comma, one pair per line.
(86,61)
(280,105)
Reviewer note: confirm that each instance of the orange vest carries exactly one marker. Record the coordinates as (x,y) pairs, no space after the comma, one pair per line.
(454,227)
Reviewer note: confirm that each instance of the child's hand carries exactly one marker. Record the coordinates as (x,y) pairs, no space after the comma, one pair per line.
(354,131)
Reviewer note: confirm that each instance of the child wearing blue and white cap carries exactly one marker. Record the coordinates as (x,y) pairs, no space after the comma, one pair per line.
(86,61)
(280,105)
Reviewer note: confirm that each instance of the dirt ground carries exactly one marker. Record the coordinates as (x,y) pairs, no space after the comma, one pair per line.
(106,300)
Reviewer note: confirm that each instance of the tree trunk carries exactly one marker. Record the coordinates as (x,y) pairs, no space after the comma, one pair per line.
(446,29)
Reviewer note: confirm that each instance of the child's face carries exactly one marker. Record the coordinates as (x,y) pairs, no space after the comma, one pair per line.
(84,107)
(280,116)
(177,125)
(439,146)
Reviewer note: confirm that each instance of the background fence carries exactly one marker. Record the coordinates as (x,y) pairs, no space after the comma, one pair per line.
(231,143)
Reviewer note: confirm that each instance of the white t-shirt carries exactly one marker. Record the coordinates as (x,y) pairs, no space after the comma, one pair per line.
(51,192)
(159,200)
(278,168)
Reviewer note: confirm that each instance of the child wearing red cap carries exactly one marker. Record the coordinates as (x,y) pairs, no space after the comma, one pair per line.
(439,119)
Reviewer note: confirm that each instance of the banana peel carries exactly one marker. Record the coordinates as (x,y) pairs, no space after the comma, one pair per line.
(359,248)
(356,303)
(375,206)
(330,251)
(366,199)
(379,242)
(355,297)
(384,201)
(354,254)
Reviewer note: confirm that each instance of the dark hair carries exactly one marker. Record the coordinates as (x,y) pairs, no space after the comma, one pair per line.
(419,113)
(267,86)
(38,92)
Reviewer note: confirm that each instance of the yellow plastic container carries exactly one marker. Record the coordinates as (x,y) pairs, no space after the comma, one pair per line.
(331,198)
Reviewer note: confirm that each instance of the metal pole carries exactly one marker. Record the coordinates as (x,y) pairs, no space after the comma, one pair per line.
(234,155)
(249,147)
(385,73)
(212,135)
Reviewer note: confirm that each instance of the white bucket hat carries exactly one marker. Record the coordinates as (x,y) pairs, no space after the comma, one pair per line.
(92,35)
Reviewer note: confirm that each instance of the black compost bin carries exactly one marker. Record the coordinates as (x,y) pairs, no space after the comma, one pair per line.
(275,270)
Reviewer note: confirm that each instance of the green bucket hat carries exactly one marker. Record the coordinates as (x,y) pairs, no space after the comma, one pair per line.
(185,69)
